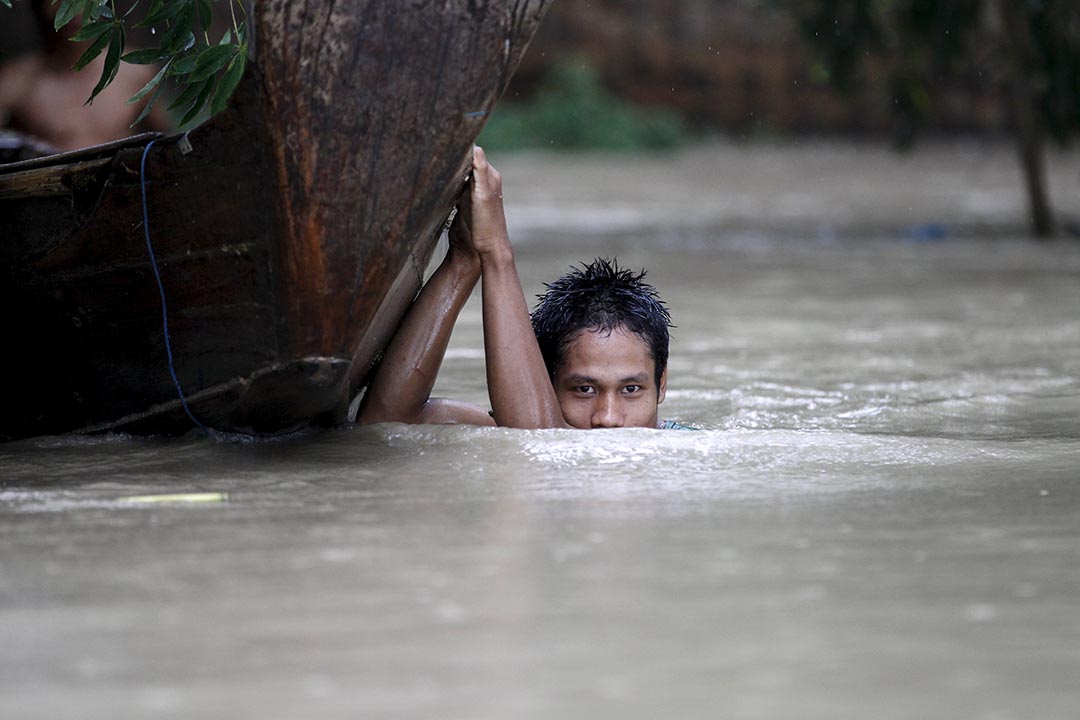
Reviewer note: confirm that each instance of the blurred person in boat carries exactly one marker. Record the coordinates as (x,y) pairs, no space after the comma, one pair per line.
(43,97)
(593,354)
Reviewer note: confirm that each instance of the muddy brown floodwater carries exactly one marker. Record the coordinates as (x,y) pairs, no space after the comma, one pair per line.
(880,517)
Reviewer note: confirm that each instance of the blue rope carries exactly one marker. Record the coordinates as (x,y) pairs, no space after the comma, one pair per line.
(161,290)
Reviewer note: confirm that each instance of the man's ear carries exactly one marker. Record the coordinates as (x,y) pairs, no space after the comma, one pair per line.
(661,392)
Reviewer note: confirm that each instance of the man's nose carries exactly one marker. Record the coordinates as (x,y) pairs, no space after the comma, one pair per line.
(606,413)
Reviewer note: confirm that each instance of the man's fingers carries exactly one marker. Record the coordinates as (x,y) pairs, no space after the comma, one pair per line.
(480,169)
(487,181)
(479,163)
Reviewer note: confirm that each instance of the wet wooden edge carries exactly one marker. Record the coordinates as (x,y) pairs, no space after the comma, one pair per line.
(45,181)
(72,156)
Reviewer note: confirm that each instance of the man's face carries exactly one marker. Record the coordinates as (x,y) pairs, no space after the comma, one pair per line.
(607,380)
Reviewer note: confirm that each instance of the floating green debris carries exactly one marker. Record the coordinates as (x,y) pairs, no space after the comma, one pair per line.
(200,497)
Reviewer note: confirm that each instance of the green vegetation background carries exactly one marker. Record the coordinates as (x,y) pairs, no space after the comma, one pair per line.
(573,111)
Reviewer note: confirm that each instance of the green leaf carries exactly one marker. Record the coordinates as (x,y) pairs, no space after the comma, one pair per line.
(155,6)
(200,102)
(93,51)
(206,14)
(66,13)
(149,56)
(229,81)
(190,92)
(150,104)
(161,11)
(184,65)
(112,63)
(92,30)
(6,2)
(148,86)
(184,42)
(179,36)
(212,60)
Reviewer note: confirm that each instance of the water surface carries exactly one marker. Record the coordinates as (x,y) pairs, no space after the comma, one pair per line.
(880,518)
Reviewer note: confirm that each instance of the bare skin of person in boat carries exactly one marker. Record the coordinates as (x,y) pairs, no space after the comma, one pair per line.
(43,96)
(604,363)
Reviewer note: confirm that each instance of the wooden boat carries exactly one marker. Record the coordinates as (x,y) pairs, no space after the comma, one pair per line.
(291,231)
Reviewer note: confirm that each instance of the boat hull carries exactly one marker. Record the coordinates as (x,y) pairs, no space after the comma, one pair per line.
(290,233)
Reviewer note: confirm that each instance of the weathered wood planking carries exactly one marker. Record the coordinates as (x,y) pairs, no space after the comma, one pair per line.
(290,238)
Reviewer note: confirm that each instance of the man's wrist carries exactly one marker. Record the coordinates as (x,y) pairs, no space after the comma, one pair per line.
(499,255)
(462,261)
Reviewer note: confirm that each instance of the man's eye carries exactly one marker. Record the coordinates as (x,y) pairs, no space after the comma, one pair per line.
(631,389)
(584,389)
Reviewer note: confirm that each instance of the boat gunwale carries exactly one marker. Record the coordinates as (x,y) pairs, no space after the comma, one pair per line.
(46,181)
(82,154)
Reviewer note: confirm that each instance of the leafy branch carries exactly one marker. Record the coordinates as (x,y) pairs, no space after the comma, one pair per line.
(204,73)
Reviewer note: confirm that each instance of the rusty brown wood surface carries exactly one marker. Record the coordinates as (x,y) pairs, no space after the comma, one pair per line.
(290,239)
(374,119)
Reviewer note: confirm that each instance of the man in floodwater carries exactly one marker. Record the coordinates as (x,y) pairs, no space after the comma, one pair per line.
(593,354)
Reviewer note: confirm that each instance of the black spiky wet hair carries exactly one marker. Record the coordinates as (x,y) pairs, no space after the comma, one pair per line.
(600,296)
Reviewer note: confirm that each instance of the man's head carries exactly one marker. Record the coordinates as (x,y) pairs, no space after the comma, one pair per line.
(603,333)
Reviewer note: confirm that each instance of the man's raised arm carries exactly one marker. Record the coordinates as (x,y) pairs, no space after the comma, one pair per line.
(401,388)
(518,383)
